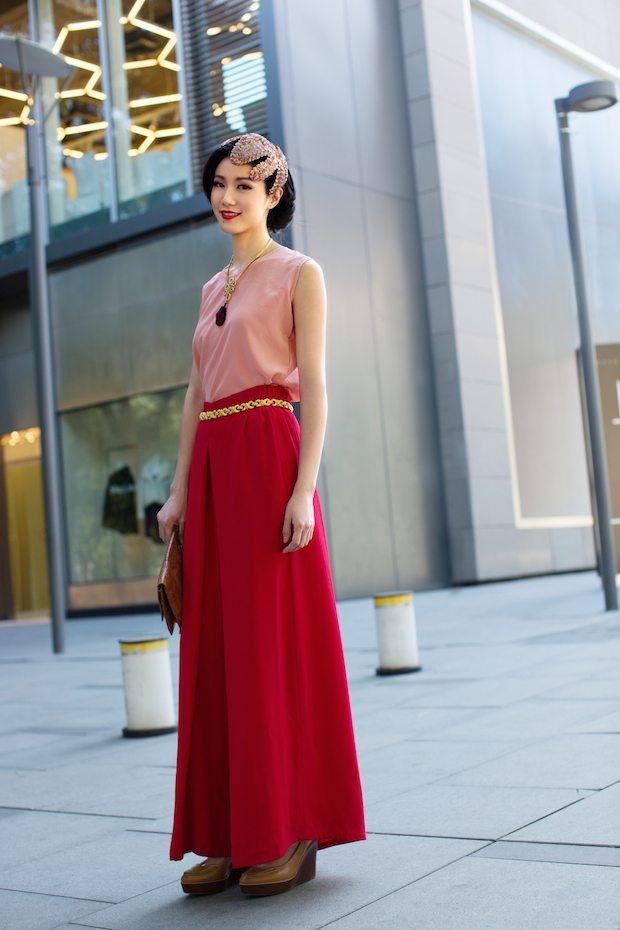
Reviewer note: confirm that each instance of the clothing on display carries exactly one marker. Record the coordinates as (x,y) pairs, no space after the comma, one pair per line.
(119,505)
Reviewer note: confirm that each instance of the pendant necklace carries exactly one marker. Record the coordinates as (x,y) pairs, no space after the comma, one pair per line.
(231,283)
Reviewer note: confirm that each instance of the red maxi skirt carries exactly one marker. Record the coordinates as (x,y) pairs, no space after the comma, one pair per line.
(266,752)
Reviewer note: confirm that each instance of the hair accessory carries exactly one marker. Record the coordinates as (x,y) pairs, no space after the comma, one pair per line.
(250,146)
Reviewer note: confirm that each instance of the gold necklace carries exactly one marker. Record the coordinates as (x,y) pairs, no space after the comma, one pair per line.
(231,283)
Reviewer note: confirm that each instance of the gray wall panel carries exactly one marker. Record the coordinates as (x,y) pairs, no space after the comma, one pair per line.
(347,139)
(124,320)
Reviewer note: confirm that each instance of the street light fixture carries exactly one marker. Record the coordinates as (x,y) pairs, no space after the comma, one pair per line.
(587,98)
(35,61)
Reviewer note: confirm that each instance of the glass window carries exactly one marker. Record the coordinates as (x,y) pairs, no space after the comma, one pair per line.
(14,108)
(238,85)
(148,125)
(115,130)
(117,474)
(76,125)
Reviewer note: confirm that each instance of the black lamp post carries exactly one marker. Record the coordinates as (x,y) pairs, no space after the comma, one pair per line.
(35,61)
(587,98)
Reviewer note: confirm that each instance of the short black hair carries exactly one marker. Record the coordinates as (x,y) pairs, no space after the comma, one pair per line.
(279,216)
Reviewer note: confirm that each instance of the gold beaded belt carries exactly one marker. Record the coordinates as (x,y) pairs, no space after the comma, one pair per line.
(246,405)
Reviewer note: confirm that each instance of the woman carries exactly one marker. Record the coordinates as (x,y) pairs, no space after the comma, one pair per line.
(267,770)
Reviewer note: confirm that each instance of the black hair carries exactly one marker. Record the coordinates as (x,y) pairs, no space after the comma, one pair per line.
(279,216)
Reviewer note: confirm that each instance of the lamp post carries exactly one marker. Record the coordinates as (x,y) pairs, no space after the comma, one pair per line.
(36,61)
(586,98)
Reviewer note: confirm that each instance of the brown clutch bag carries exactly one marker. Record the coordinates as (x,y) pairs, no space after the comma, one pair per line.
(170,582)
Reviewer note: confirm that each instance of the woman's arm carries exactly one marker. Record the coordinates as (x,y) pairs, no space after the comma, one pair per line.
(173,510)
(310,310)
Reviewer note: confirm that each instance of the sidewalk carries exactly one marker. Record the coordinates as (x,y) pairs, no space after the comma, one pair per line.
(491,778)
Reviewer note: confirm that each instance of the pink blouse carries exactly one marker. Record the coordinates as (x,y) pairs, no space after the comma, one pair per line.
(256,344)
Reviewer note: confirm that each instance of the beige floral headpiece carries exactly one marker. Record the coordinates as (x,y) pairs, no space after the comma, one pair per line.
(250,146)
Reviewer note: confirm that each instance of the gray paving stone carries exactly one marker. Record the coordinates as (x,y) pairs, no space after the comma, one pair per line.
(489,894)
(590,689)
(529,719)
(595,819)
(552,852)
(418,762)
(91,787)
(396,724)
(465,810)
(22,911)
(608,723)
(597,666)
(29,835)
(348,877)
(108,868)
(575,760)
(492,692)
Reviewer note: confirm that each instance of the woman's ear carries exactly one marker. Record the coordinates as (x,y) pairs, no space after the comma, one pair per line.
(274,195)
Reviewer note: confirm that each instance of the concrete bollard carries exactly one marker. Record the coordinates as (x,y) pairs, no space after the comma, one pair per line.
(396,633)
(148,687)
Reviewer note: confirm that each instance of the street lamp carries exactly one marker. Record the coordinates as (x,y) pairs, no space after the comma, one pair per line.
(586,98)
(36,61)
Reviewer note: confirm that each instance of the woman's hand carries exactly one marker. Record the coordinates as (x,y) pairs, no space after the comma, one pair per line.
(172,512)
(298,527)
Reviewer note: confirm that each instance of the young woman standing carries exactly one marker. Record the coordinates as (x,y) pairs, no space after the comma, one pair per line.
(267,770)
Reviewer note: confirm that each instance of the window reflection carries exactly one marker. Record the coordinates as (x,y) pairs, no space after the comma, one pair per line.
(78,188)
(148,124)
(236,68)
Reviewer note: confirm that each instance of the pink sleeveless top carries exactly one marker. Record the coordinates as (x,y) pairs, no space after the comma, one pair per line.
(256,343)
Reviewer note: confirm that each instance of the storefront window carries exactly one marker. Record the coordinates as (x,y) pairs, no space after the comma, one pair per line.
(119,459)
(14,108)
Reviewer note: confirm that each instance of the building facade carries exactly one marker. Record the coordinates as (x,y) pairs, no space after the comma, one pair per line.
(422,141)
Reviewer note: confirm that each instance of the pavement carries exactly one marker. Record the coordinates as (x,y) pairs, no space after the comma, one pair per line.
(491,777)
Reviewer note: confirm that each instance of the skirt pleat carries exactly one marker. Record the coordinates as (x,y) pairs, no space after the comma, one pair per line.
(266,749)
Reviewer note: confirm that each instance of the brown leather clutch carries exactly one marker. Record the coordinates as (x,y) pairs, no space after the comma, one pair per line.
(170,582)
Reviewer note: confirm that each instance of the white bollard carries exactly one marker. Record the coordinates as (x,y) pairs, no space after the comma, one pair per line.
(148,687)
(396,633)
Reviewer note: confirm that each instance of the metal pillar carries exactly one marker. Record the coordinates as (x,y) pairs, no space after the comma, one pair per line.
(46,389)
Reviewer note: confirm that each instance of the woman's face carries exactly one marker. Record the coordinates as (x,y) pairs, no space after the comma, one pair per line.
(239,203)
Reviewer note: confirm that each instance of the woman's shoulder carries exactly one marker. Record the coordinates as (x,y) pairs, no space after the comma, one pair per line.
(297,263)
(291,256)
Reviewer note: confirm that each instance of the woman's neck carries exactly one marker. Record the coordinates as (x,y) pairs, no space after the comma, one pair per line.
(247,244)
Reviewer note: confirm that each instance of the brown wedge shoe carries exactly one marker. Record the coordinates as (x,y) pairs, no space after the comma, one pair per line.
(299,867)
(210,876)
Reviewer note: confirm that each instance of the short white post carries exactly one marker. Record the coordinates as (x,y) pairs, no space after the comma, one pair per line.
(396,633)
(148,687)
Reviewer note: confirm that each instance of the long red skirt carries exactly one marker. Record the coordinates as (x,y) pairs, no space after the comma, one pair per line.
(266,750)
